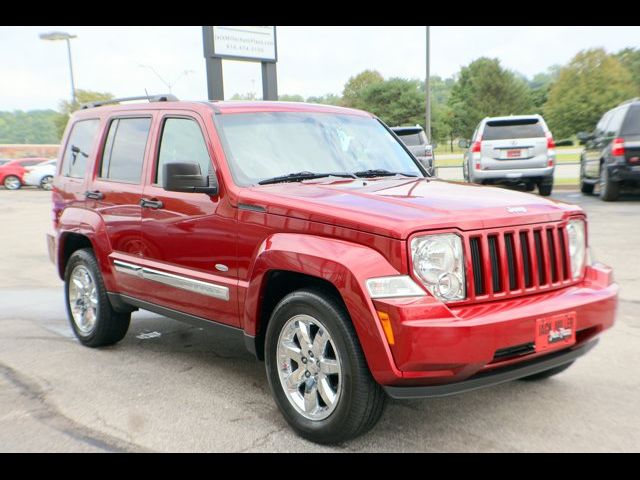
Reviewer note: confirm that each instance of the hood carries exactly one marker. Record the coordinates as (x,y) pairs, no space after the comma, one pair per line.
(398,207)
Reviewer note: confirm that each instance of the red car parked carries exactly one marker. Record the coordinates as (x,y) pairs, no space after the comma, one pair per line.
(12,171)
(312,233)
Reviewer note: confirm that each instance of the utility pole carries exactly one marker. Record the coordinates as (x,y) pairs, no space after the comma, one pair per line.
(428,92)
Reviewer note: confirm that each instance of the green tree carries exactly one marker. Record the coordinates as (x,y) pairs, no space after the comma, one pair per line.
(67,108)
(327,99)
(630,59)
(592,83)
(483,89)
(540,85)
(290,98)
(356,85)
(35,126)
(396,101)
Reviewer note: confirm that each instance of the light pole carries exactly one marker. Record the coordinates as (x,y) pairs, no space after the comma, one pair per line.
(53,36)
(169,85)
(428,92)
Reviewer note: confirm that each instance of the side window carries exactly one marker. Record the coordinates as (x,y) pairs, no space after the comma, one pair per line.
(616,122)
(79,148)
(123,154)
(602,124)
(182,141)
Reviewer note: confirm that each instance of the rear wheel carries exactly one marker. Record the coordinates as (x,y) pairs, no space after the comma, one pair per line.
(47,182)
(585,187)
(545,187)
(317,371)
(609,190)
(93,320)
(11,182)
(547,373)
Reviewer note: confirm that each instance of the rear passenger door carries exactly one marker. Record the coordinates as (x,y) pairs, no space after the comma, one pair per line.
(189,238)
(116,192)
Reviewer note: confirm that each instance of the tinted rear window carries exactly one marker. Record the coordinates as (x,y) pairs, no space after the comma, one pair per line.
(79,148)
(631,125)
(411,139)
(506,129)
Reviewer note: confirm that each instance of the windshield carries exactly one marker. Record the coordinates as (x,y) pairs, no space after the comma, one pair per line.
(264,145)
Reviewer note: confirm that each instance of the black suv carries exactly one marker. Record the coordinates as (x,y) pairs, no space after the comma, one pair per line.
(611,155)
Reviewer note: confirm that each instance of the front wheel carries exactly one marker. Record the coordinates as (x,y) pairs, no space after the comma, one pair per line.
(46,183)
(585,187)
(317,371)
(11,182)
(93,320)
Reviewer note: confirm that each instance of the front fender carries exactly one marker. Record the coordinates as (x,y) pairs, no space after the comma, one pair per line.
(89,224)
(346,266)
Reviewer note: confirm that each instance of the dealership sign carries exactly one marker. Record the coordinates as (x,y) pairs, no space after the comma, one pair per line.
(245,43)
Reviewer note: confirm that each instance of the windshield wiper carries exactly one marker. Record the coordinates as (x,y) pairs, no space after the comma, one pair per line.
(380,172)
(301,176)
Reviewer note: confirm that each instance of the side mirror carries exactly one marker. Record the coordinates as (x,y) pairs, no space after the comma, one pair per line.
(584,136)
(186,177)
(463,143)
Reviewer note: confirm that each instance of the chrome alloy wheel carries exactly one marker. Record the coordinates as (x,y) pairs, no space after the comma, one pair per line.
(83,299)
(309,367)
(12,183)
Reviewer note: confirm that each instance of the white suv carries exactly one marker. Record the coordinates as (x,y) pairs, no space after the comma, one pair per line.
(513,150)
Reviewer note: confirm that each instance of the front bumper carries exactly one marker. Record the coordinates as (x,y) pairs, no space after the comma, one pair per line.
(494,377)
(435,345)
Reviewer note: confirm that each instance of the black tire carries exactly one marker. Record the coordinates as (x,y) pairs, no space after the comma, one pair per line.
(609,190)
(585,187)
(11,182)
(529,187)
(110,326)
(465,172)
(547,373)
(545,187)
(361,399)
(45,183)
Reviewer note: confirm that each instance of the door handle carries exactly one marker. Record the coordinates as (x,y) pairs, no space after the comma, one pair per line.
(155,204)
(94,195)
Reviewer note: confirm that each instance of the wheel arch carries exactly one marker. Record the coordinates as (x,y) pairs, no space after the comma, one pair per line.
(339,266)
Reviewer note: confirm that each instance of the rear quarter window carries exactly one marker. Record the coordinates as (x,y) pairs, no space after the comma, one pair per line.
(631,125)
(79,148)
(124,149)
(507,129)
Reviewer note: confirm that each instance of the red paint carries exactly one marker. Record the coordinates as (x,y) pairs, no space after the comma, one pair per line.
(341,231)
(18,167)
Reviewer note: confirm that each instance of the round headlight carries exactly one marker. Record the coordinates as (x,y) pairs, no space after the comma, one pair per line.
(439,264)
(577,246)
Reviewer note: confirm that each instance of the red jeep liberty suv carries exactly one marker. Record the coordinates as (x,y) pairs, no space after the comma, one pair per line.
(315,235)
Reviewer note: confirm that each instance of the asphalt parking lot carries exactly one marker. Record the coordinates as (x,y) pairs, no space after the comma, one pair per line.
(172,387)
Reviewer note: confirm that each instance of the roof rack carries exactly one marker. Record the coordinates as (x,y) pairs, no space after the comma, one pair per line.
(631,100)
(165,97)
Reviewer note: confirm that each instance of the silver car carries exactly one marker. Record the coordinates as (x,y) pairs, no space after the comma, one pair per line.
(416,141)
(514,150)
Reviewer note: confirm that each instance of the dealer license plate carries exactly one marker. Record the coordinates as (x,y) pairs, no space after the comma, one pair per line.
(514,153)
(556,331)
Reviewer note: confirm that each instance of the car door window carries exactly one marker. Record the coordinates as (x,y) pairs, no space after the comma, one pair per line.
(79,148)
(182,141)
(124,149)
(615,122)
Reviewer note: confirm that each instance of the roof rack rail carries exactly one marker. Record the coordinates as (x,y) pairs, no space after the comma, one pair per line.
(631,100)
(165,97)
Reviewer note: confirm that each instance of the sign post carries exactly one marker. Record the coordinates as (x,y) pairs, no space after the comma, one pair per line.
(246,43)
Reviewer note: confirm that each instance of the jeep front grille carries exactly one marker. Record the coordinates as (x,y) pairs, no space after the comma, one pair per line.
(519,260)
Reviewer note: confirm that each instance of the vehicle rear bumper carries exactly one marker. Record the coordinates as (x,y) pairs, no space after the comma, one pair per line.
(619,173)
(493,377)
(512,174)
(436,345)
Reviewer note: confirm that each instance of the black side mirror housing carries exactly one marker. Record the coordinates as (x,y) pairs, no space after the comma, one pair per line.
(584,136)
(187,177)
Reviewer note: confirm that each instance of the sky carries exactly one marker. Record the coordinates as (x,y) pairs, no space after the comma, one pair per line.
(312,60)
